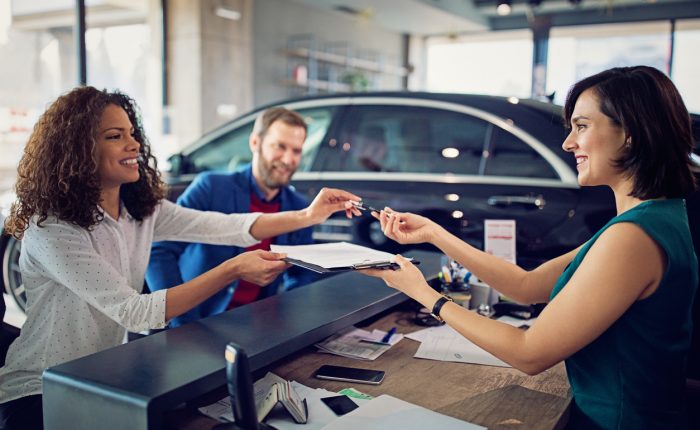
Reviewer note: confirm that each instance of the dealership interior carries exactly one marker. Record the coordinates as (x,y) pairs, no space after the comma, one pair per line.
(456,117)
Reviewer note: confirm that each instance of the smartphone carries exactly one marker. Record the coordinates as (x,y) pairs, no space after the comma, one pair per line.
(350,374)
(340,405)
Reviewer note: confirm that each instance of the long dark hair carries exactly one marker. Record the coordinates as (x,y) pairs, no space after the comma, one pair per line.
(646,104)
(58,173)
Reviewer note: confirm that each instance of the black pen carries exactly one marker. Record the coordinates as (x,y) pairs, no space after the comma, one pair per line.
(361,206)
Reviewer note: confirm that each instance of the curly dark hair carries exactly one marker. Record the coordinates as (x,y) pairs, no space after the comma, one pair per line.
(58,173)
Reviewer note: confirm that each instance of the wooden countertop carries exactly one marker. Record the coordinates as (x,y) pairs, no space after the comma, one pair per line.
(495,397)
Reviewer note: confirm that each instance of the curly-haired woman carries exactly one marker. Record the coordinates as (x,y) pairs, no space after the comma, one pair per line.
(89,205)
(619,311)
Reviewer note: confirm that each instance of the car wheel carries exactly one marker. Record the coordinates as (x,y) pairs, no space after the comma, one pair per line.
(11,274)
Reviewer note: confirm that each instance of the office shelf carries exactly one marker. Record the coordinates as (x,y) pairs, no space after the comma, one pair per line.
(333,67)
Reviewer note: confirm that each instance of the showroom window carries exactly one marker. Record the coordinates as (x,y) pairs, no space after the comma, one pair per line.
(496,63)
(41,68)
(123,53)
(38,38)
(581,51)
(686,62)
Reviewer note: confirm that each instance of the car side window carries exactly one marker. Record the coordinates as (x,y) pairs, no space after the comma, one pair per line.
(230,151)
(508,155)
(413,139)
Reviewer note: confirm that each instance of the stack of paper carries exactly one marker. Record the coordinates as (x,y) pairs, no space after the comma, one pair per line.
(446,344)
(358,343)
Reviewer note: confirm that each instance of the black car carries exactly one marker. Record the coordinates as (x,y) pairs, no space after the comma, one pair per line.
(457,159)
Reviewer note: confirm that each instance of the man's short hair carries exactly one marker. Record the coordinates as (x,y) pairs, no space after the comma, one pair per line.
(269,116)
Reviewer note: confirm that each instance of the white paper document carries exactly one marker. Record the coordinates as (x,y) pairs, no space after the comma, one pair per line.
(386,412)
(358,343)
(446,344)
(334,256)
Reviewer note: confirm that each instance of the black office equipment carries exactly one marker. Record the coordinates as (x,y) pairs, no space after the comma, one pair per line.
(240,389)
(350,374)
(340,405)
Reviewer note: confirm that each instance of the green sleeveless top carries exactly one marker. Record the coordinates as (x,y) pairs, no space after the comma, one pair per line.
(633,375)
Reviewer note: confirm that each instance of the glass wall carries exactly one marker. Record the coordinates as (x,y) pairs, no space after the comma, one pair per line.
(577,52)
(123,53)
(495,63)
(501,63)
(686,62)
(38,56)
(37,65)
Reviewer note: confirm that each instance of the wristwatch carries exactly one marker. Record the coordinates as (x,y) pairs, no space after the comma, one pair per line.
(438,306)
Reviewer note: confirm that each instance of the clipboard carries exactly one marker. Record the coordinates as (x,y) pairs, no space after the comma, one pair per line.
(384,265)
(337,257)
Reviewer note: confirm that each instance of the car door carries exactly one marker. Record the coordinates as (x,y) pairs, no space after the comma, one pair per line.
(450,163)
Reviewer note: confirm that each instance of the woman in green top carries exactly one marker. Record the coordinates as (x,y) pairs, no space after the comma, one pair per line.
(619,309)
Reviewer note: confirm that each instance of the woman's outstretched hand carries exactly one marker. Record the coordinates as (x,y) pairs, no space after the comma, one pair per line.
(405,227)
(407,279)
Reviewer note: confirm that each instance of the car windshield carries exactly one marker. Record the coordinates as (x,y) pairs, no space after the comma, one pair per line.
(230,150)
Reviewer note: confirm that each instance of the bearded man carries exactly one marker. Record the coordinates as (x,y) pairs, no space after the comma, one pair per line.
(262,186)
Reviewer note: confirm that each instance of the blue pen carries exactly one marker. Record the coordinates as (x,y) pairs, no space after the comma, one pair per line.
(387,336)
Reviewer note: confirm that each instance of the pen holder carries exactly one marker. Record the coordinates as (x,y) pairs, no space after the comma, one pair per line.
(459,292)
(482,294)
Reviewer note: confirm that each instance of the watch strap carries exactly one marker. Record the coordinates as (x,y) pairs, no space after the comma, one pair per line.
(437,307)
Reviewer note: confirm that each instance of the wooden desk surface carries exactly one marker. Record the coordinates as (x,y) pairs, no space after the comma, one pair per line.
(495,397)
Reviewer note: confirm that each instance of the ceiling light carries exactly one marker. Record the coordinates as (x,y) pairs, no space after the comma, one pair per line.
(503,7)
(450,152)
(226,13)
